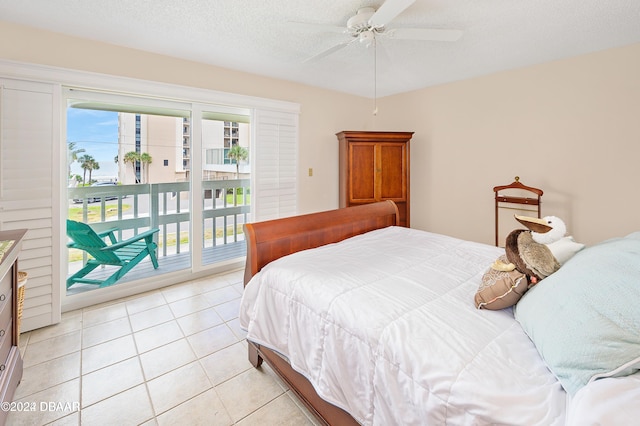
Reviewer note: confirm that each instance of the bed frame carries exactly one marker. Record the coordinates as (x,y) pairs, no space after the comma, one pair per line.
(270,240)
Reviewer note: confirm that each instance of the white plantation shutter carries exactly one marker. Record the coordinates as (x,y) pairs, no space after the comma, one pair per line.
(29,129)
(274,160)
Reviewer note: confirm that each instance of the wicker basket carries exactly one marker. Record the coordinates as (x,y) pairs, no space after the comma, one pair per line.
(22,280)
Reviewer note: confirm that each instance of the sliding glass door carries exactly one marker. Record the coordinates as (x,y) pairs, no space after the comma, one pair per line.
(136,164)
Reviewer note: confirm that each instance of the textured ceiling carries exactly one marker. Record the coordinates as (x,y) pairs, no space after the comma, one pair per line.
(259,36)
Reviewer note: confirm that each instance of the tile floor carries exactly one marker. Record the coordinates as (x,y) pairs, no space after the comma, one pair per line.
(174,356)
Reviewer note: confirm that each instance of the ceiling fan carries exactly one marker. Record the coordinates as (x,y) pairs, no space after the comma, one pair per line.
(368,24)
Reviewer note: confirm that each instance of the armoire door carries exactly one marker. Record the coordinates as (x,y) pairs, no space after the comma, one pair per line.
(374,166)
(391,167)
(364,178)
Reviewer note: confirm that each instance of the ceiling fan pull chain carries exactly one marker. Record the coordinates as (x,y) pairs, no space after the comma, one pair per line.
(375,77)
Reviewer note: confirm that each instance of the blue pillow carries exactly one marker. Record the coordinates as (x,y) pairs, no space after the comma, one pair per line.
(585,318)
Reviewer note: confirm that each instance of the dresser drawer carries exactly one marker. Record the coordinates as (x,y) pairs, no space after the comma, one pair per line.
(5,328)
(5,284)
(5,309)
(5,347)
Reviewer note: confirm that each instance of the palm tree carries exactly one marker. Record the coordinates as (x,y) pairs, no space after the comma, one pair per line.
(237,153)
(94,165)
(132,157)
(72,155)
(86,162)
(145,159)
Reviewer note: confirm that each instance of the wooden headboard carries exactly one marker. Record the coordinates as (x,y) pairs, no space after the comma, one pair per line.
(272,239)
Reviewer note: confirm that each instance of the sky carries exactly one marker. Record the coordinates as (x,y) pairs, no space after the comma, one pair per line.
(97,133)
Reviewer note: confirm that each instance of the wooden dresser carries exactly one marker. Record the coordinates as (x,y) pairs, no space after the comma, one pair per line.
(374,166)
(10,360)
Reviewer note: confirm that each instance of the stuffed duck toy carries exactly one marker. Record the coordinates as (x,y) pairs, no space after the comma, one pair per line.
(530,251)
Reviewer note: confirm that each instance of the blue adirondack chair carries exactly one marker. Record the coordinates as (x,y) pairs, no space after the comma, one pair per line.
(124,254)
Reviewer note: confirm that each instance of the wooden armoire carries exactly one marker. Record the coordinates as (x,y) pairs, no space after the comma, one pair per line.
(374,166)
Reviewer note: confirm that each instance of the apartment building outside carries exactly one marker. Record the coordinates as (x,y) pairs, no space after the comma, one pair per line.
(168,141)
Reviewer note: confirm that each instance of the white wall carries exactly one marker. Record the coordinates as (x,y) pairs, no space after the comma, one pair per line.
(569,127)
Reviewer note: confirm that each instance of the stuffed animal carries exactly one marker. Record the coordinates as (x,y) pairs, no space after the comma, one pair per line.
(530,255)
(529,250)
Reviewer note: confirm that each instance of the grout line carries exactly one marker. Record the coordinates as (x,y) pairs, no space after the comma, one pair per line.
(231,282)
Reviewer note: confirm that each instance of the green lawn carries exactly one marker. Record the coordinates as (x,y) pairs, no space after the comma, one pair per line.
(93,212)
(239,199)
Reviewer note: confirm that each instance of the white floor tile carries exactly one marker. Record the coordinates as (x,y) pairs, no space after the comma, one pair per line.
(188,306)
(54,347)
(180,291)
(247,392)
(166,358)
(48,374)
(150,317)
(130,407)
(211,340)
(103,313)
(154,337)
(144,301)
(109,381)
(97,360)
(105,331)
(226,363)
(199,321)
(70,322)
(282,411)
(222,295)
(229,310)
(108,353)
(203,410)
(178,386)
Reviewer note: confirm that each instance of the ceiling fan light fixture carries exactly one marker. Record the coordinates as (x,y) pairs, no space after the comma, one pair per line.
(366,38)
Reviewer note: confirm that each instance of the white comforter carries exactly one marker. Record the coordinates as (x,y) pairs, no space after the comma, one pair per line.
(384,326)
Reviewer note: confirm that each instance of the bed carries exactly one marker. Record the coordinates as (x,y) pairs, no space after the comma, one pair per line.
(371,323)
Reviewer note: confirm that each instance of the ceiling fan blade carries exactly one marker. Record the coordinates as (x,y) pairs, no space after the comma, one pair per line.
(318,27)
(389,10)
(330,50)
(428,34)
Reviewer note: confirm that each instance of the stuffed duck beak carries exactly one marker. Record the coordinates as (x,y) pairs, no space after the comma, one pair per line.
(534,224)
(546,230)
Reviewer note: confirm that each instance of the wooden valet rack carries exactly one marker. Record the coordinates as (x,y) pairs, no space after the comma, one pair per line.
(503,201)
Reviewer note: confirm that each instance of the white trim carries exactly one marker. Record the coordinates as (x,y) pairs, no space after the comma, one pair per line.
(58,175)
(195,197)
(130,86)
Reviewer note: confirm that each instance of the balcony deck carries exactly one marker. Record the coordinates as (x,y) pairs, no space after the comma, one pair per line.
(169,263)
(134,208)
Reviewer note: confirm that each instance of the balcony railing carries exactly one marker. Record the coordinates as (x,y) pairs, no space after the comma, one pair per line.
(135,208)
